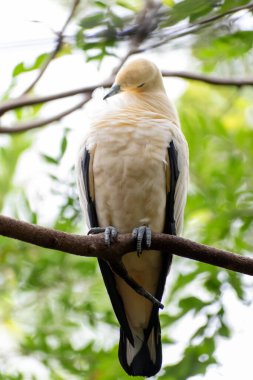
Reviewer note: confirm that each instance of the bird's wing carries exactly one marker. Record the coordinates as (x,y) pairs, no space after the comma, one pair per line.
(87,197)
(172,175)
(181,187)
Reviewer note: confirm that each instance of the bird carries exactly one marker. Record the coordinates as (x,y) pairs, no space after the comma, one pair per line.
(132,176)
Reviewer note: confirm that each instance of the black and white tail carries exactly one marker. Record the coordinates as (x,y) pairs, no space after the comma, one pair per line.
(144,356)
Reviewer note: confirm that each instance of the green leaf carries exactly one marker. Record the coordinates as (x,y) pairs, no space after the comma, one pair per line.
(235,281)
(132,5)
(22,68)
(168,3)
(229,4)
(183,280)
(192,303)
(191,9)
(49,159)
(101,4)
(64,143)
(168,340)
(92,20)
(195,361)
(224,330)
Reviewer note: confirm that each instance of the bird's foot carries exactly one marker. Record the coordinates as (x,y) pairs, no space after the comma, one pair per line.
(110,233)
(142,235)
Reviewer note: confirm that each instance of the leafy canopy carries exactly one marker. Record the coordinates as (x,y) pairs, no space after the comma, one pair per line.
(54,306)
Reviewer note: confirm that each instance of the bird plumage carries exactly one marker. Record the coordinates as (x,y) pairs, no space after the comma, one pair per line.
(133,170)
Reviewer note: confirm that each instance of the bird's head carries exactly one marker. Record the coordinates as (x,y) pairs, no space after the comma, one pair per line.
(137,76)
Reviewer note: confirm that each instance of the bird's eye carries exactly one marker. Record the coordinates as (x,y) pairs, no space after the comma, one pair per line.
(141,85)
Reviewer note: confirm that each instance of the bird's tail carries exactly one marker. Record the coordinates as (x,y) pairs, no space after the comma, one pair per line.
(144,356)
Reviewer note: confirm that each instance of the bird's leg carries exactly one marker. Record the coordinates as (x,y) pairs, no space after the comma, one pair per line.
(110,233)
(142,235)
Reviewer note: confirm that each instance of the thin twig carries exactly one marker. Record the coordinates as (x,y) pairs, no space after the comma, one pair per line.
(177,32)
(52,55)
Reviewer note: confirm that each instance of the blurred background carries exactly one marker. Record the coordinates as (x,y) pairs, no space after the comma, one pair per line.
(56,321)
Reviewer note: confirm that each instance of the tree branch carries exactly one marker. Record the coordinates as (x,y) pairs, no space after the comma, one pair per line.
(174,32)
(146,19)
(26,126)
(27,101)
(236,82)
(93,245)
(52,55)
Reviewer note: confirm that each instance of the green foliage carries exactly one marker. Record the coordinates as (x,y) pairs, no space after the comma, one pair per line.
(192,9)
(228,4)
(54,306)
(226,47)
(9,156)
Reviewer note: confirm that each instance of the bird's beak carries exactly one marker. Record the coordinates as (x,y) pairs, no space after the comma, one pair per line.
(115,89)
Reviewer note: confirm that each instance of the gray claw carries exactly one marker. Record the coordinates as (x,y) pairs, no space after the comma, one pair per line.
(148,237)
(110,235)
(143,235)
(135,233)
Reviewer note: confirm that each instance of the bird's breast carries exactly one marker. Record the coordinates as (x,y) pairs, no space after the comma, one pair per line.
(129,178)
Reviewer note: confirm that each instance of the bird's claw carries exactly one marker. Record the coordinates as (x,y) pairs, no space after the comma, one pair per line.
(142,235)
(110,233)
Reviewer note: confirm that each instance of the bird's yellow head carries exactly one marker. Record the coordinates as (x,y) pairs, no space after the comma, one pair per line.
(137,76)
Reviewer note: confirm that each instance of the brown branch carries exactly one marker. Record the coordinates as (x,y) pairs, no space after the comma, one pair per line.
(22,127)
(26,101)
(93,245)
(237,82)
(52,55)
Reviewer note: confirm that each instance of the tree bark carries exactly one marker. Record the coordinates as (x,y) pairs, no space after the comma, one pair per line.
(94,246)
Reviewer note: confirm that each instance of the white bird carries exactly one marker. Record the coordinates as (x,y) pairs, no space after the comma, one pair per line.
(132,172)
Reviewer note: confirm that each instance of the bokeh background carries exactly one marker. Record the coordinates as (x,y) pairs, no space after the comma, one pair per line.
(56,321)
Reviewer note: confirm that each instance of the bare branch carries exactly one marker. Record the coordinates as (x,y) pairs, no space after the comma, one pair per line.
(22,127)
(93,245)
(52,55)
(237,82)
(26,101)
